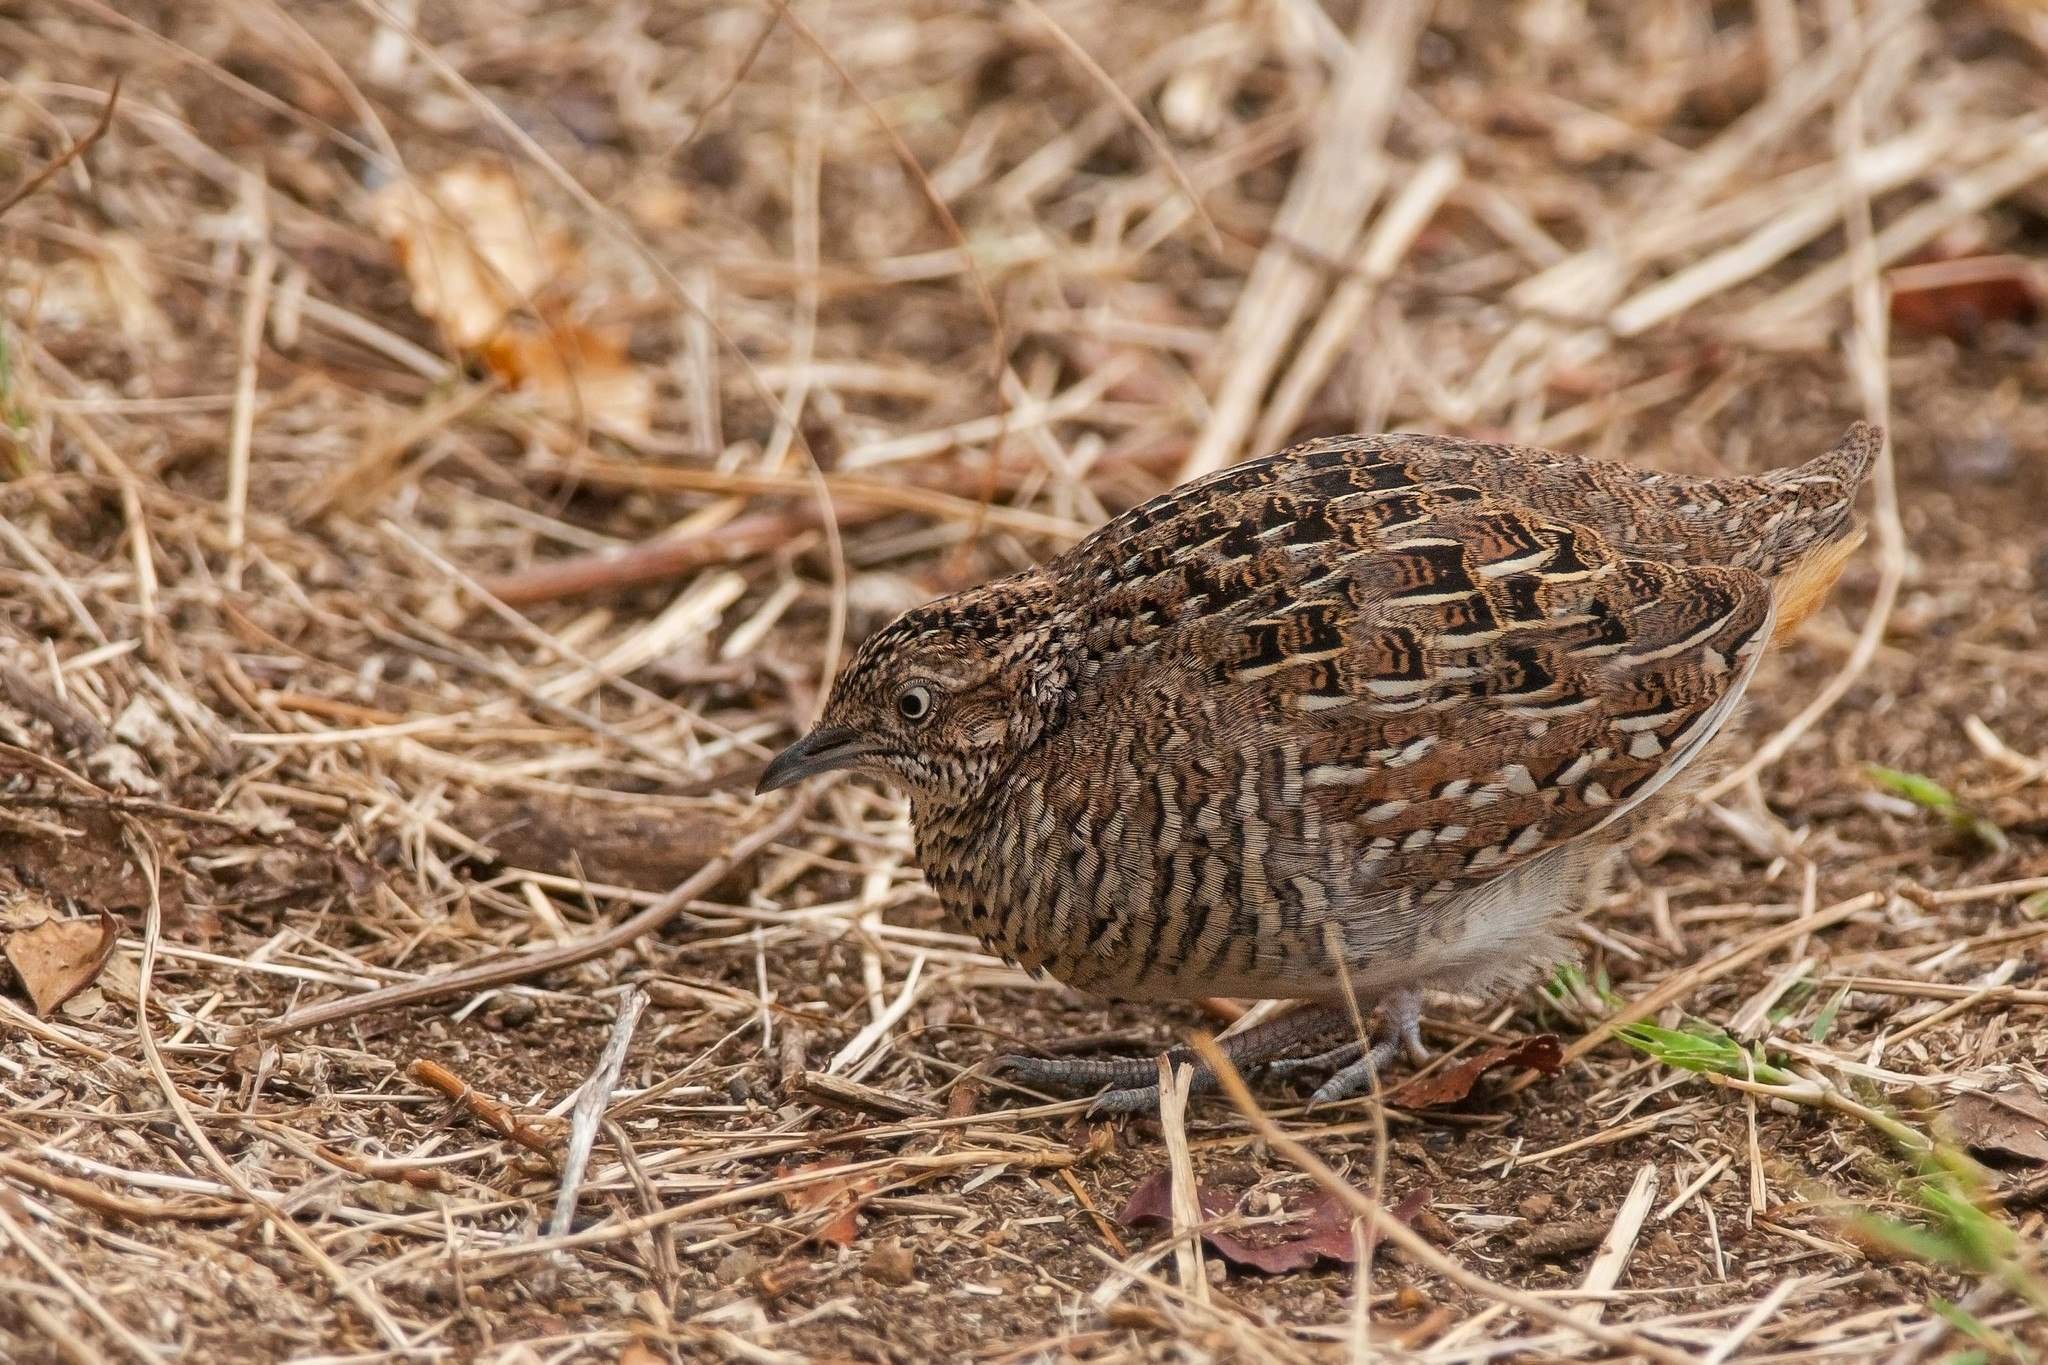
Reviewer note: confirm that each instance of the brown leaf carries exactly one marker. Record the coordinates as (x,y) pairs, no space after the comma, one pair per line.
(471,247)
(579,374)
(492,270)
(2010,1122)
(85,1005)
(965,1099)
(1960,298)
(841,1229)
(890,1262)
(1448,1087)
(93,865)
(1317,1225)
(59,958)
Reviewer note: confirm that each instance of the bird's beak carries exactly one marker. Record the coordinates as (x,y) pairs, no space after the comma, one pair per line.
(825,749)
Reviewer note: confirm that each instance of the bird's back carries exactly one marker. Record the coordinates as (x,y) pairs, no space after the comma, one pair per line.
(1764,522)
(1353,709)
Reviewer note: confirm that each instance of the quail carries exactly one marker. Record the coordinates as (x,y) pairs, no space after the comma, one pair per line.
(1359,720)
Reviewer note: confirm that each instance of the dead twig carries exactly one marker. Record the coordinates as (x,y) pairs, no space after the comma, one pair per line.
(85,1194)
(591,1103)
(57,163)
(655,561)
(491,1113)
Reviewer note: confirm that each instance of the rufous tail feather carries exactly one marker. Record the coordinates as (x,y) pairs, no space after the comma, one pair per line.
(1802,589)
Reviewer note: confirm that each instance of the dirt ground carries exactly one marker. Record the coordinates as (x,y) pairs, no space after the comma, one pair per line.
(448,445)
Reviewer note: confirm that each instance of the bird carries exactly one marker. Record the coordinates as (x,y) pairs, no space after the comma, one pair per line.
(1349,724)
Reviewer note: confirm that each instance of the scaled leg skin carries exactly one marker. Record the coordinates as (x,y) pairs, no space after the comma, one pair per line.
(1404,1033)
(1134,1081)
(1287,1068)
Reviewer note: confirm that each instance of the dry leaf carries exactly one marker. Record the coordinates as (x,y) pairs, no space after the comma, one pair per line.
(91,864)
(840,1230)
(2010,1122)
(84,1005)
(476,253)
(644,847)
(59,958)
(1317,1224)
(1448,1087)
(471,247)
(24,909)
(1960,298)
(890,1262)
(121,978)
(640,1353)
(120,767)
(579,374)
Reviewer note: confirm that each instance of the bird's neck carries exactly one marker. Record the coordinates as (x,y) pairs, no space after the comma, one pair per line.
(1035,663)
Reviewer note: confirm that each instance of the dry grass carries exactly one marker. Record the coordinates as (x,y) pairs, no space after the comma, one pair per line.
(336,659)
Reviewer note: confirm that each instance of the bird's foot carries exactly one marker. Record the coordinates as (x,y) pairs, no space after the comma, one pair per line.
(1087,1073)
(1287,1068)
(1133,1082)
(1403,1034)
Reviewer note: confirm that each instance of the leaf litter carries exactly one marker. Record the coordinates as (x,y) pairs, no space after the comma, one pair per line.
(500,277)
(841,1199)
(1542,1053)
(1308,1224)
(55,959)
(2008,1122)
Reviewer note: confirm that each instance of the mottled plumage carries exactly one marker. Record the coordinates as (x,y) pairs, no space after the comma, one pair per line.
(1360,716)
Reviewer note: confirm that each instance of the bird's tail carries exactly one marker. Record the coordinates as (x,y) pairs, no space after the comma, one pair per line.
(1815,502)
(1812,534)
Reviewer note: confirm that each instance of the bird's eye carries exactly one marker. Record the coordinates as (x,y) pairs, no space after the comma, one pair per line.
(914,702)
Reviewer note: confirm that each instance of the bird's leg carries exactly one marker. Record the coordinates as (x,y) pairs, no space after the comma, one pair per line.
(1134,1081)
(1287,1068)
(1082,1073)
(1403,1020)
(1403,1033)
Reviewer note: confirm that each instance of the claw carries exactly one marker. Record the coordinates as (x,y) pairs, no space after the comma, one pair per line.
(1137,1099)
(1129,1085)
(1404,1034)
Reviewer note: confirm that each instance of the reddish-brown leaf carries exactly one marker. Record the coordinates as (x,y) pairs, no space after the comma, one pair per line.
(844,1195)
(492,268)
(579,373)
(1317,1224)
(1448,1087)
(1960,298)
(59,958)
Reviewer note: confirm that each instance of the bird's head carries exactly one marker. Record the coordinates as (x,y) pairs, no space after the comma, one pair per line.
(941,700)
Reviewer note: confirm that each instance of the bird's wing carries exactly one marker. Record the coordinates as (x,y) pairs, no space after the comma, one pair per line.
(1434,679)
